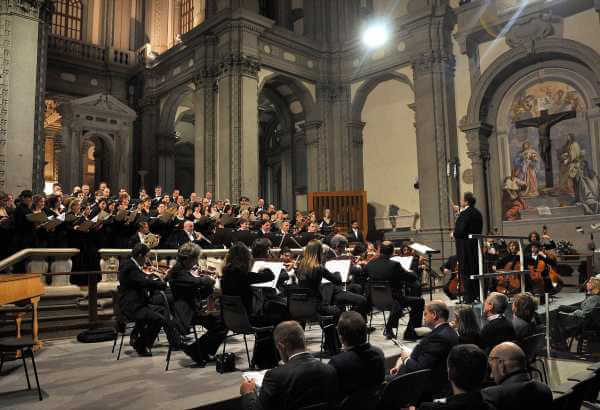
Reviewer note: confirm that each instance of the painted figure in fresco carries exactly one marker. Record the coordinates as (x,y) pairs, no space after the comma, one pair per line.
(588,188)
(570,156)
(512,203)
(528,162)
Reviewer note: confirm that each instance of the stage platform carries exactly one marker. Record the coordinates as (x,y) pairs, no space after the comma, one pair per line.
(87,376)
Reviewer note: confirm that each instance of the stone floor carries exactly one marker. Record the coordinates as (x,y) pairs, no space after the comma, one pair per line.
(87,376)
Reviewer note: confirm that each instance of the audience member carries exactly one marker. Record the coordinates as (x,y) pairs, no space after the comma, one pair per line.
(514,388)
(432,351)
(466,325)
(467,369)
(360,366)
(498,328)
(523,307)
(572,317)
(301,381)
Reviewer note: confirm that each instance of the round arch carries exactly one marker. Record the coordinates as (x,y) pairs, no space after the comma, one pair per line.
(107,165)
(369,85)
(299,90)
(169,111)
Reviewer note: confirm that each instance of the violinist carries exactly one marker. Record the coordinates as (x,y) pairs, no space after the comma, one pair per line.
(134,301)
(357,280)
(189,289)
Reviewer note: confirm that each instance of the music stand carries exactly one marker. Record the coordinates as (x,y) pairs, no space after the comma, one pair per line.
(426,251)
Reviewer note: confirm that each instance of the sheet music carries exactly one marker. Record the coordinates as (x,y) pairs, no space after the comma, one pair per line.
(422,249)
(62,216)
(338,265)
(405,261)
(257,376)
(275,267)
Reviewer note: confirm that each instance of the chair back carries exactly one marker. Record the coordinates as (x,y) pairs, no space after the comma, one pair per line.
(562,401)
(318,406)
(592,322)
(302,305)
(405,390)
(381,295)
(234,315)
(532,346)
(366,399)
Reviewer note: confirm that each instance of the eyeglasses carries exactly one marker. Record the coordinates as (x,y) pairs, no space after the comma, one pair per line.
(492,358)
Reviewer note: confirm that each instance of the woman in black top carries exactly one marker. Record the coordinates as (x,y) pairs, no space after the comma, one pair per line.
(466,325)
(310,273)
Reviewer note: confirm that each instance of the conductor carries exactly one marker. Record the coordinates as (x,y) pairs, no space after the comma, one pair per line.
(469,221)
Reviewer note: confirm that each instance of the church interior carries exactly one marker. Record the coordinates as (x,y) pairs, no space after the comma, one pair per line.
(460,133)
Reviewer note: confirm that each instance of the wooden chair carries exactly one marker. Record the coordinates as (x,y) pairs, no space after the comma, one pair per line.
(237,321)
(24,346)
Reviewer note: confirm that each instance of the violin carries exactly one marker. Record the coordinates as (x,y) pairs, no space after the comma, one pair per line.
(155,270)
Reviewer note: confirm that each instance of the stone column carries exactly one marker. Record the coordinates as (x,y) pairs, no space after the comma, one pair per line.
(479,153)
(314,166)
(145,140)
(204,129)
(166,162)
(355,132)
(74,148)
(19,25)
(199,11)
(433,71)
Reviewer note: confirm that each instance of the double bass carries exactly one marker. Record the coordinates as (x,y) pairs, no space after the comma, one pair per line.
(509,284)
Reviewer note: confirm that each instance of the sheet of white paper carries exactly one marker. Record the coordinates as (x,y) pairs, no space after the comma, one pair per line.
(338,265)
(405,261)
(422,249)
(256,376)
(62,217)
(275,268)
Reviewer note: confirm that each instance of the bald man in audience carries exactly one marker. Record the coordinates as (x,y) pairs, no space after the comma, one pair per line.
(302,381)
(514,387)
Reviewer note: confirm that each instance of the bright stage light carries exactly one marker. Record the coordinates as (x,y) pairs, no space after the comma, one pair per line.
(376,35)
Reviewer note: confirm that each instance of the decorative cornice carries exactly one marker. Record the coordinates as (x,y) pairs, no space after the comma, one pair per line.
(23,8)
(239,64)
(429,61)
(526,32)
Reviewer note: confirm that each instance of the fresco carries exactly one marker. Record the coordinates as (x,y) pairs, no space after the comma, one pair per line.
(534,183)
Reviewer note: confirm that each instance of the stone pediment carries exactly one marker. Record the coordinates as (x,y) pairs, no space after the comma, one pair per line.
(103,104)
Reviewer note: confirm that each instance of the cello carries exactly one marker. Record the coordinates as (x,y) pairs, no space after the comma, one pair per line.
(510,284)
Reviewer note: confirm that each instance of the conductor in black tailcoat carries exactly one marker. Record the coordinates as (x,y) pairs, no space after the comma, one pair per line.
(469,221)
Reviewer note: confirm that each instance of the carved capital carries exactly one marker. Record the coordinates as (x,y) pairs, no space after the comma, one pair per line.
(434,61)
(333,92)
(24,8)
(205,78)
(239,64)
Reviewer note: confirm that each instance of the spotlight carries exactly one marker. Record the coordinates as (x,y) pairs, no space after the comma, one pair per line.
(376,35)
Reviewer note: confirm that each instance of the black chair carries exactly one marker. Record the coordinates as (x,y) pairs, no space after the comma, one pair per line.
(236,320)
(366,399)
(532,346)
(122,323)
(588,331)
(589,382)
(382,299)
(574,395)
(24,345)
(562,401)
(405,390)
(172,319)
(304,307)
(318,406)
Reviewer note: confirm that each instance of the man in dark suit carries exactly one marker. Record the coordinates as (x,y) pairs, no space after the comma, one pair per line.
(383,269)
(134,301)
(302,381)
(432,351)
(498,328)
(138,238)
(360,366)
(514,388)
(467,369)
(355,235)
(469,221)
(244,234)
(186,235)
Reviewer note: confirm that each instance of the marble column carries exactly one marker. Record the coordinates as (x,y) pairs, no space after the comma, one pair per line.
(204,130)
(312,138)
(19,26)
(355,132)
(146,143)
(166,162)
(479,154)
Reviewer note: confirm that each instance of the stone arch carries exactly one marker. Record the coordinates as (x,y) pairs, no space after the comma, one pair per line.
(168,112)
(300,90)
(514,60)
(109,162)
(368,86)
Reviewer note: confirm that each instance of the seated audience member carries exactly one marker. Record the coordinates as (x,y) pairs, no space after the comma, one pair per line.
(360,366)
(467,369)
(524,307)
(498,328)
(514,388)
(301,382)
(466,325)
(432,351)
(189,287)
(382,269)
(574,316)
(134,300)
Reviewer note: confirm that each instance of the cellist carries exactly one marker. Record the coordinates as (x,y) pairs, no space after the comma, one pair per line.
(508,284)
(538,264)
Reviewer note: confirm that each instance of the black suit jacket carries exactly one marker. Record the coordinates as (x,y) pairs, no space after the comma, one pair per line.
(187,292)
(358,368)
(497,331)
(301,382)
(383,269)
(518,391)
(133,240)
(431,353)
(468,222)
(466,401)
(133,287)
(246,237)
(355,238)
(237,283)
